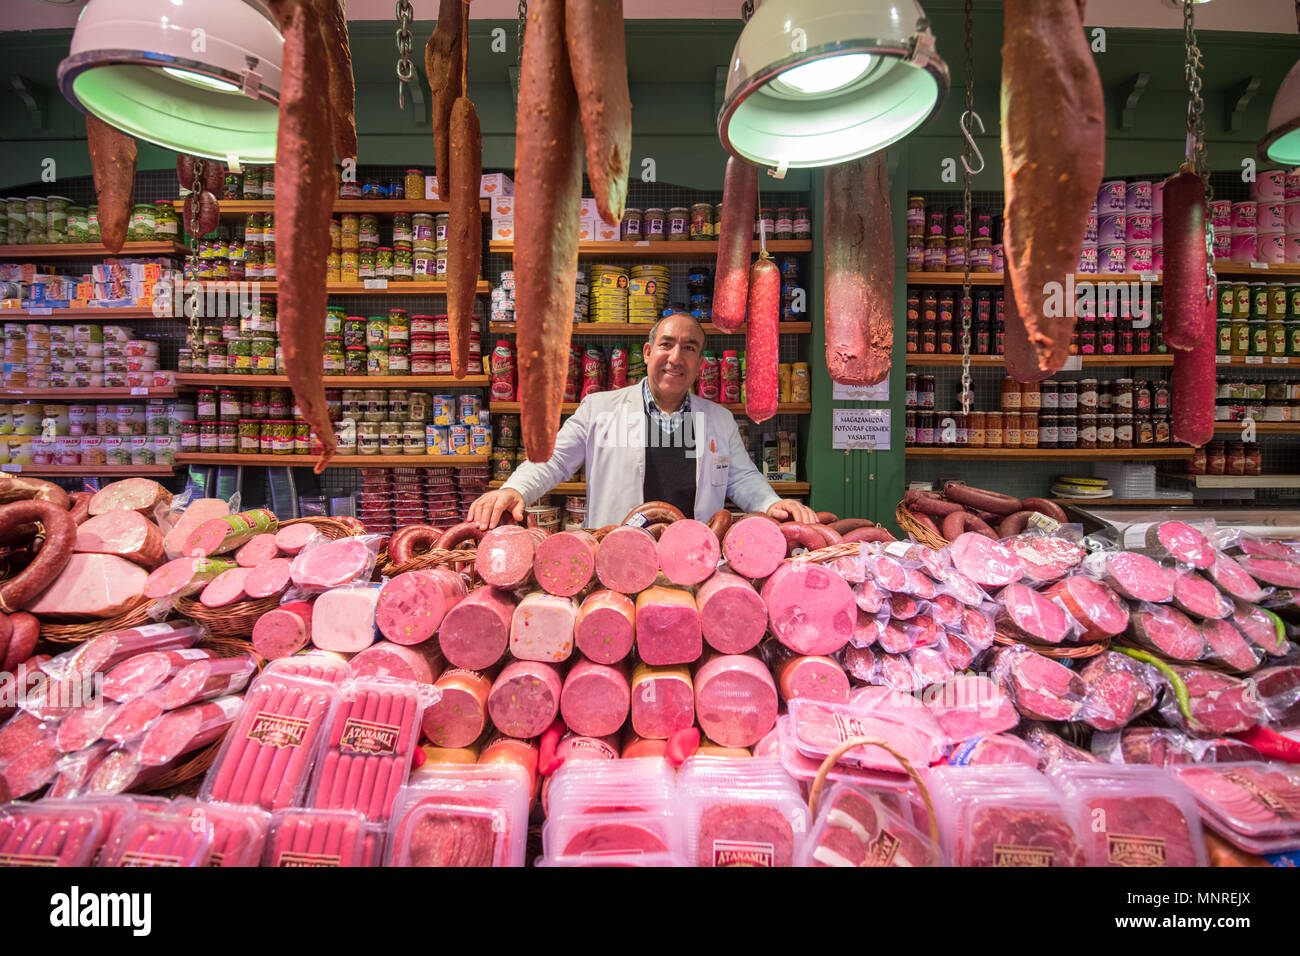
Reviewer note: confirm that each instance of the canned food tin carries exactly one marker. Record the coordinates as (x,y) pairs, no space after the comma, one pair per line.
(444,409)
(437,439)
(459,439)
(470,409)
(480,440)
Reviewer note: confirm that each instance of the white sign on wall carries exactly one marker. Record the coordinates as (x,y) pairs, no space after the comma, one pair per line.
(861,429)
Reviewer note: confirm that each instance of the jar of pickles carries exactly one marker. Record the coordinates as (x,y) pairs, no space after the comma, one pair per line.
(334,355)
(355,360)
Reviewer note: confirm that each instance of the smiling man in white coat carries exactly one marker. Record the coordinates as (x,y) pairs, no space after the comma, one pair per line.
(653,441)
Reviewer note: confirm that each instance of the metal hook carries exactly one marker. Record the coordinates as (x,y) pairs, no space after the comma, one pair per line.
(965,132)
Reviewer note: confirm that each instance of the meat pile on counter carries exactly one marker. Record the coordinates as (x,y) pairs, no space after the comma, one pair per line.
(421,719)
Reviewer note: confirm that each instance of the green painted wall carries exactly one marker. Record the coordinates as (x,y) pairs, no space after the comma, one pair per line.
(673,67)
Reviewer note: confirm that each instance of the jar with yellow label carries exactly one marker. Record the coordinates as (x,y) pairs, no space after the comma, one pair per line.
(334,357)
(1241,300)
(1276,338)
(1240,336)
(263,354)
(239,352)
(1258,337)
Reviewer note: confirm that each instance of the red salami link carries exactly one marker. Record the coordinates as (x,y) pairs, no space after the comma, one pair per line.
(186,730)
(762,340)
(1046,507)
(548,206)
(342,89)
(993,501)
(1053,151)
(859,267)
(24,631)
(1193,383)
(80,506)
(205,680)
(412,539)
(928,503)
(962,521)
(465,231)
(139,675)
(735,244)
(597,55)
(1190,312)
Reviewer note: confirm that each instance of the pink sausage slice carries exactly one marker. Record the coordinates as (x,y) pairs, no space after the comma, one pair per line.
(667,626)
(735,699)
(459,716)
(565,562)
(811,609)
(261,549)
(733,617)
(541,628)
(688,551)
(331,565)
(183,577)
(294,538)
(476,632)
(815,678)
(627,560)
(225,588)
(283,631)
(605,627)
(595,698)
(525,698)
(422,663)
(413,604)
(754,546)
(269,579)
(343,619)
(504,558)
(663,701)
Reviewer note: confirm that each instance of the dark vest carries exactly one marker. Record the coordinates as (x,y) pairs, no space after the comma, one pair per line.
(669,474)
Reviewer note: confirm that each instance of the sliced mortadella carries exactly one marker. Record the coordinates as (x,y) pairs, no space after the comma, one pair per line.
(733,617)
(541,628)
(605,627)
(283,631)
(813,677)
(504,558)
(663,700)
(595,699)
(754,546)
(413,604)
(267,579)
(226,588)
(422,663)
(811,609)
(260,549)
(627,560)
(688,552)
(565,562)
(667,626)
(459,716)
(343,619)
(735,699)
(525,698)
(476,632)
(293,538)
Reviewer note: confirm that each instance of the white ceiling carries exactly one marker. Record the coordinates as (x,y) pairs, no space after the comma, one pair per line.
(1256,16)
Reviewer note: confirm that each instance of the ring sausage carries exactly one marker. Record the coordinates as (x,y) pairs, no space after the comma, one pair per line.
(1014,523)
(1046,507)
(22,489)
(827,517)
(599,533)
(869,534)
(928,503)
(845,525)
(962,521)
(657,528)
(465,531)
(654,511)
(993,501)
(60,536)
(24,630)
(80,507)
(350,522)
(802,536)
(720,522)
(411,540)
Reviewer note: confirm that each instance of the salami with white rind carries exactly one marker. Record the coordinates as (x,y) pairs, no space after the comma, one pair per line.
(605,627)
(663,700)
(343,619)
(667,626)
(688,552)
(733,617)
(413,604)
(735,699)
(525,698)
(476,632)
(541,628)
(565,562)
(504,556)
(127,534)
(595,698)
(811,609)
(754,546)
(627,560)
(283,631)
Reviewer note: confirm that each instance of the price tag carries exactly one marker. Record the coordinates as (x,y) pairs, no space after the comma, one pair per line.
(1148,276)
(12,469)
(1073,363)
(1259,265)
(1254,360)
(1280,360)
(1223,360)
(139,390)
(375,283)
(40,310)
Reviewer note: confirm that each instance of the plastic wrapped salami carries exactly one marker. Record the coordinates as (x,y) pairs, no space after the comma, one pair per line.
(1119,689)
(461,816)
(821,727)
(1040,686)
(1134,576)
(1177,540)
(50,833)
(1097,609)
(1255,806)
(1217,703)
(741,812)
(1046,557)
(1166,631)
(326,564)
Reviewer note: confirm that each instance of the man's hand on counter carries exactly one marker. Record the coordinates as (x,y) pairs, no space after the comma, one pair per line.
(488,508)
(788,509)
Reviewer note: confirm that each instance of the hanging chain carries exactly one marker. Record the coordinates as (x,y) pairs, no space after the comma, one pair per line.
(194,304)
(519,32)
(1196,152)
(966,306)
(747,10)
(405,71)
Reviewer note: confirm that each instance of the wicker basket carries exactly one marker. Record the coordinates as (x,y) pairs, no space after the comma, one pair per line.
(326,526)
(1073,652)
(232,620)
(136,615)
(457,560)
(907,521)
(832,758)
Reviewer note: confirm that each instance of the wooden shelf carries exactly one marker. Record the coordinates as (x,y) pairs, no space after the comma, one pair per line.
(92,250)
(1241,481)
(272,287)
(643,328)
(1122,502)
(338,461)
(232,208)
(339,381)
(580,487)
(1148,360)
(1223,268)
(87,394)
(1259,361)
(1050,454)
(79,315)
(115,471)
(568,408)
(1226,268)
(1262,428)
(650,250)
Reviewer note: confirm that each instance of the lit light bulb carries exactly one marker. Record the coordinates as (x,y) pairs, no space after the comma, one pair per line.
(829,73)
(198,79)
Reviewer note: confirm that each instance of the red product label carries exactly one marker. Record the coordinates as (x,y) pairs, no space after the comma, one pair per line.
(710,383)
(743,853)
(364,737)
(1127,850)
(278,730)
(881,850)
(289,858)
(618,363)
(593,371)
(1012,855)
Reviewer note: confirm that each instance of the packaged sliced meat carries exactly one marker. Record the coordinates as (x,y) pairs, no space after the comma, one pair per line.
(1032,616)
(50,833)
(1040,687)
(127,534)
(1131,575)
(1119,689)
(329,838)
(1255,806)
(1133,816)
(1280,572)
(1158,746)
(1279,692)
(471,816)
(810,608)
(158,838)
(930,665)
(1198,596)
(662,700)
(820,728)
(1166,631)
(1226,646)
(970,705)
(1178,540)
(140,674)
(238,833)
(1095,607)
(856,827)
(1054,749)
(741,812)
(1262,628)
(222,535)
(207,679)
(334,563)
(1004,816)
(196,513)
(1220,704)
(1235,581)
(993,750)
(985,562)
(183,731)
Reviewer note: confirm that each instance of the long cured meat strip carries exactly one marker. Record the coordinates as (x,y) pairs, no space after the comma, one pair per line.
(593,31)
(859,267)
(1193,383)
(735,240)
(112,159)
(1053,151)
(442,60)
(1187,321)
(548,207)
(1019,354)
(303,201)
(465,235)
(763,340)
(343,87)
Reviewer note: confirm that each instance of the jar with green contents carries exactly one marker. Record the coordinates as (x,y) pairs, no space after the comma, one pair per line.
(1225,300)
(334,321)
(354,330)
(240,355)
(1240,300)
(263,317)
(227,438)
(1293,302)
(403,264)
(366,264)
(142,222)
(268,262)
(1240,336)
(399,360)
(399,327)
(1223,332)
(355,360)
(266,436)
(334,355)
(208,438)
(1277,338)
(257,402)
(263,354)
(1258,301)
(1277,300)
(217,361)
(1293,336)
(377,361)
(384,262)
(190,437)
(279,402)
(301,438)
(166,224)
(1258,337)
(78,224)
(250,436)
(282,433)
(376,332)
(92,223)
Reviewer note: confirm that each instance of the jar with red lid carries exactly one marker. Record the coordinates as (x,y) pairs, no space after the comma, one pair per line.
(909,390)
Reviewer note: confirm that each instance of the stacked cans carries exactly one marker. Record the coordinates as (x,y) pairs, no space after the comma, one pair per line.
(1125,229)
(503,299)
(1265,228)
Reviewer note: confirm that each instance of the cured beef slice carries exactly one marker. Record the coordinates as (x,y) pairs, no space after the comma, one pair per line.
(1276,571)
(1279,693)
(1157,746)
(859,266)
(1235,580)
(994,750)
(663,701)
(1116,691)
(1167,631)
(754,546)
(1041,687)
(1031,616)
(985,562)
(475,633)
(127,534)
(909,729)
(91,585)
(1093,605)
(1226,645)
(525,698)
(1221,704)
(744,833)
(1053,151)
(733,617)
(1009,836)
(811,609)
(1046,558)
(595,698)
(1172,539)
(667,626)
(1262,628)
(1197,596)
(1140,830)
(1138,578)
(735,699)
(969,706)
(605,627)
